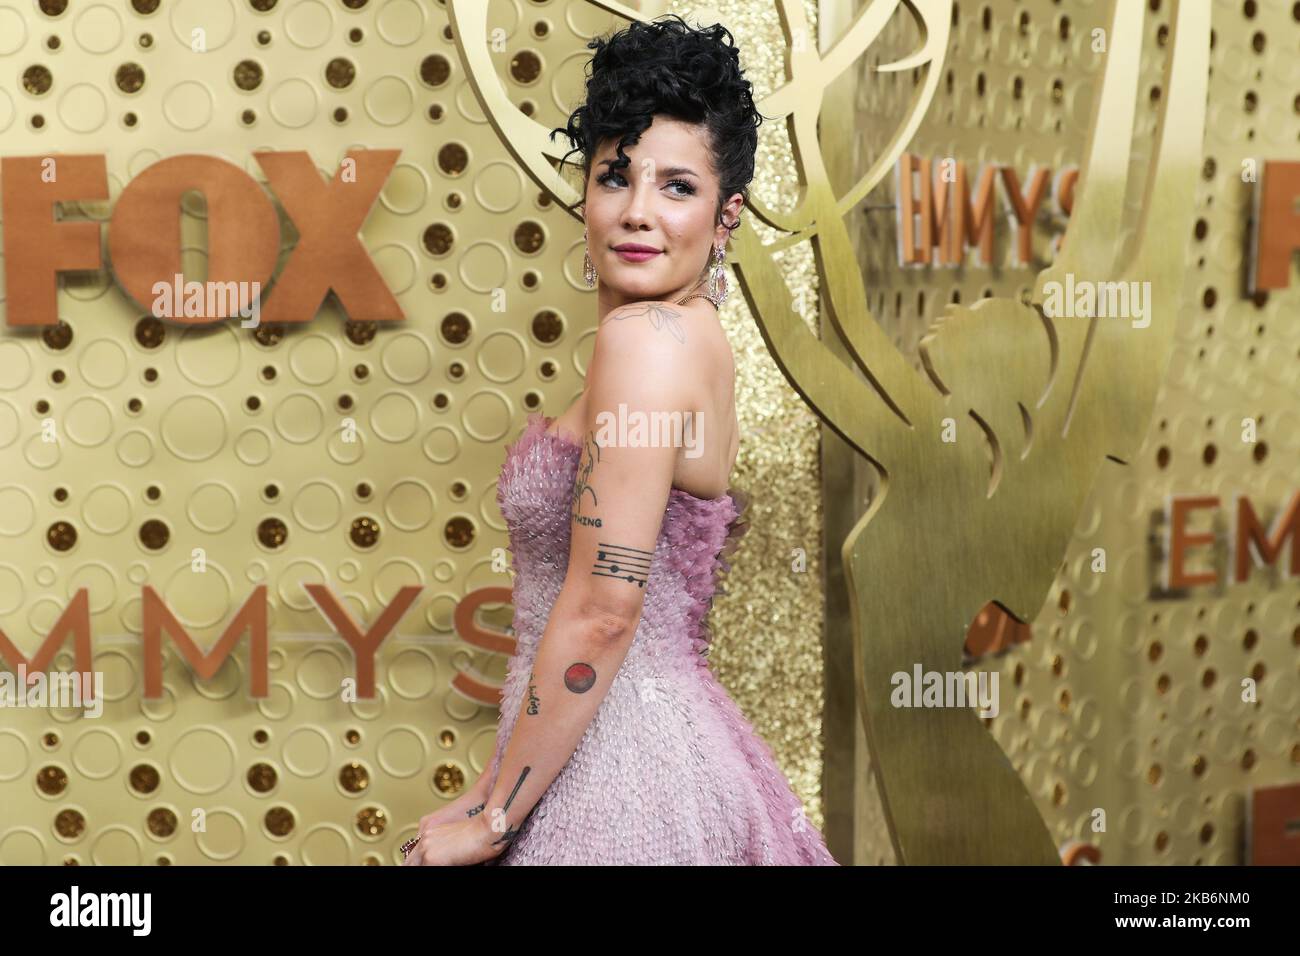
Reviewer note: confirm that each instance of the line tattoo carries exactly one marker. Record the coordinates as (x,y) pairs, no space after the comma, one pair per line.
(580,677)
(628,564)
(581,483)
(661,317)
(534,702)
(474,810)
(498,815)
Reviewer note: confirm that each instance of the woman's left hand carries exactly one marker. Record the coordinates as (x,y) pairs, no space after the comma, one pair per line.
(462,843)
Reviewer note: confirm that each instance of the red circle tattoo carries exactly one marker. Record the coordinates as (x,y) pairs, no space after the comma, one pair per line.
(579,678)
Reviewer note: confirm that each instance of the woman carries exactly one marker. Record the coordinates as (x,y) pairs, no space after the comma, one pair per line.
(616,744)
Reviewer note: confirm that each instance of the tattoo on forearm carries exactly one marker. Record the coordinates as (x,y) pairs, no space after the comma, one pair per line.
(534,702)
(580,677)
(629,564)
(661,317)
(498,815)
(582,484)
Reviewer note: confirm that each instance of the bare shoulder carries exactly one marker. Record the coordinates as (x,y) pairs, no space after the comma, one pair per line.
(671,321)
(655,347)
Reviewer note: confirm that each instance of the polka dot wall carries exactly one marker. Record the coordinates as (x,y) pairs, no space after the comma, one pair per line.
(233,441)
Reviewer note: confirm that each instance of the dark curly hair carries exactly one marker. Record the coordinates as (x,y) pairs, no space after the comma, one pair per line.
(667,67)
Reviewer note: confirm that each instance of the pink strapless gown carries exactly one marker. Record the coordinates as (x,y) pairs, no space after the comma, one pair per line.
(669,771)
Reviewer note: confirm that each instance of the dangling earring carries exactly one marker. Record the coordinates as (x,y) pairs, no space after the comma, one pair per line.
(588,267)
(718,278)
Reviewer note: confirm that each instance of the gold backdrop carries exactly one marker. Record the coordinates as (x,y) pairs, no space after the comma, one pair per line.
(229,440)
(1125,697)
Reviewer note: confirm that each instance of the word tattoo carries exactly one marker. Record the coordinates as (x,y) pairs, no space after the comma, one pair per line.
(581,484)
(616,561)
(660,317)
(499,813)
(534,702)
(580,677)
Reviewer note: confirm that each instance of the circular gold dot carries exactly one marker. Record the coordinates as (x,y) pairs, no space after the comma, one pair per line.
(70,824)
(248,74)
(144,778)
(455,328)
(278,821)
(150,332)
(161,822)
(57,336)
(269,334)
(129,77)
(529,237)
(359,331)
(448,779)
(340,72)
(261,778)
(453,159)
(154,534)
(61,535)
(354,778)
(547,326)
(364,532)
(272,532)
(371,821)
(459,532)
(438,239)
(37,80)
(51,780)
(435,69)
(525,67)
